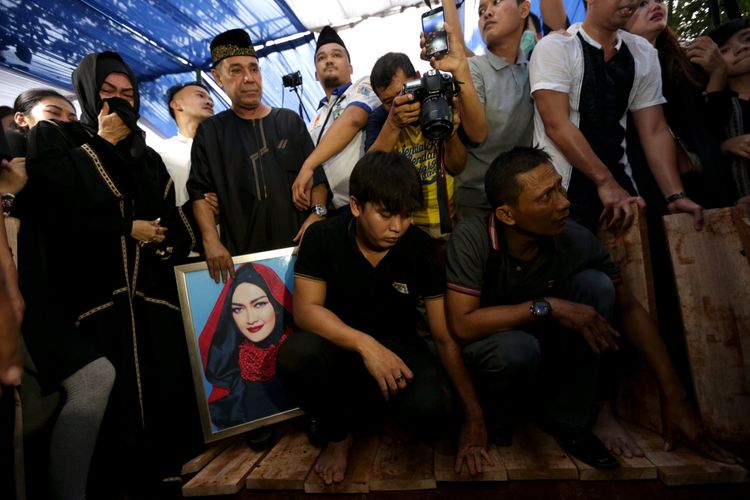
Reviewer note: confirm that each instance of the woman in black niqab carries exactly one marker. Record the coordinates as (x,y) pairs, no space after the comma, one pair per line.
(96,269)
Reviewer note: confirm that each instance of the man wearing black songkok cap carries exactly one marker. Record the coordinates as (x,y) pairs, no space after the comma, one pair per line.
(247,155)
(338,127)
(101,236)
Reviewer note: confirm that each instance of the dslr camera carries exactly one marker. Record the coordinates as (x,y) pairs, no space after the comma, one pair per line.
(292,80)
(435,91)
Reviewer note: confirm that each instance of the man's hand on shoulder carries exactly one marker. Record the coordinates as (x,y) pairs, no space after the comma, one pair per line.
(388,370)
(311,219)
(584,319)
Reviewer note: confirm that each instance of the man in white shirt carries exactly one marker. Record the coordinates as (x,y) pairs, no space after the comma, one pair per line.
(189,104)
(337,130)
(583,85)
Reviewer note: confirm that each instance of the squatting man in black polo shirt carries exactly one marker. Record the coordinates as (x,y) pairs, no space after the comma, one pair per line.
(533,297)
(356,284)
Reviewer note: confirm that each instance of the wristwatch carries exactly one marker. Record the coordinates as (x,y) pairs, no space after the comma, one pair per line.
(319,210)
(541,308)
(676,196)
(7,200)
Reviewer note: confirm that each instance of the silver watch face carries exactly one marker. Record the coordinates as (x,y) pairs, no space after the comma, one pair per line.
(320,210)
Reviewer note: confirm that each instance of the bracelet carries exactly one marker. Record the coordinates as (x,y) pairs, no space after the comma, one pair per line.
(675,197)
(7,199)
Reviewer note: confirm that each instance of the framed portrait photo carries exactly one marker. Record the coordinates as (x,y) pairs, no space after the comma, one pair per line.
(234,331)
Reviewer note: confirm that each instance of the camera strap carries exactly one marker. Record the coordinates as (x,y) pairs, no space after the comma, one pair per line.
(446,224)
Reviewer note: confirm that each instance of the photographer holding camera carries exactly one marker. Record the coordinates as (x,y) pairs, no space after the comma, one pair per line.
(420,116)
(419,119)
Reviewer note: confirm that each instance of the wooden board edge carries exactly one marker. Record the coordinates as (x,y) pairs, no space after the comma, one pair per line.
(340,488)
(623,473)
(403,485)
(196,464)
(537,475)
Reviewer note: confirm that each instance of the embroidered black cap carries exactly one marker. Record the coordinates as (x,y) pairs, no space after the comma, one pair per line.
(234,42)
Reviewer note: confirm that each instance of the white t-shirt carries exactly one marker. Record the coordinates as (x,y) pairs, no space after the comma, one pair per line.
(339,167)
(175,152)
(557,64)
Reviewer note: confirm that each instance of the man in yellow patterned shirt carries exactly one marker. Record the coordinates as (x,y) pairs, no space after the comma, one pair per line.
(395,127)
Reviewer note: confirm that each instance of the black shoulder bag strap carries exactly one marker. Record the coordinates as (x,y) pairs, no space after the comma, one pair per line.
(446,223)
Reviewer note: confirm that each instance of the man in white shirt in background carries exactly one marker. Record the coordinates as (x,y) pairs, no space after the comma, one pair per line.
(189,104)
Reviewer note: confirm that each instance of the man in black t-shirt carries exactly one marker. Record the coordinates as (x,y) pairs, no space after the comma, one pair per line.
(532,295)
(356,286)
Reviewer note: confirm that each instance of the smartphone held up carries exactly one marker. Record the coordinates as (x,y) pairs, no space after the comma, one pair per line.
(436,38)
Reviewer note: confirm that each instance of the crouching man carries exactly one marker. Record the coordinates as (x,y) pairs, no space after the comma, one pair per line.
(533,296)
(356,284)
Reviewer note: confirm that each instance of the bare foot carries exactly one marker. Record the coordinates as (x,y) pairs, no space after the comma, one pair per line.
(615,438)
(332,462)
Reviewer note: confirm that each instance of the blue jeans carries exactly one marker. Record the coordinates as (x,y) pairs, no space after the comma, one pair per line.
(545,367)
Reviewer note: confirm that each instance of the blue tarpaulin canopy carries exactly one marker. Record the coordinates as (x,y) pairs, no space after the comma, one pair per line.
(166,41)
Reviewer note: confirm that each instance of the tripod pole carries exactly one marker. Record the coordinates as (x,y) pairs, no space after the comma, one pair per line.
(301,106)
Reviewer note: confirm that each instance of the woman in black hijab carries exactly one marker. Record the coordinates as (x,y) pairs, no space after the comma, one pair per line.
(101,235)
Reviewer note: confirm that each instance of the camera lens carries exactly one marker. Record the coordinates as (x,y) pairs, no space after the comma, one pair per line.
(437,117)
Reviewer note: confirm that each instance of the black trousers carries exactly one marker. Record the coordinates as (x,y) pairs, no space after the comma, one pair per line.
(333,385)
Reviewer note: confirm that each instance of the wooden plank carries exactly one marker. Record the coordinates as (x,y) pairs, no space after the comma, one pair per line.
(12,226)
(403,466)
(712,275)
(226,473)
(196,464)
(630,251)
(684,466)
(638,393)
(358,472)
(445,461)
(536,455)
(286,466)
(635,468)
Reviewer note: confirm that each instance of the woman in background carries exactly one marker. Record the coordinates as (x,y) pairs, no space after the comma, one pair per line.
(34,105)
(694,80)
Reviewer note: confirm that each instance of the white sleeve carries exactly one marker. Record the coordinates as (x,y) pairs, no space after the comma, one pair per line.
(647,92)
(550,67)
(363,96)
